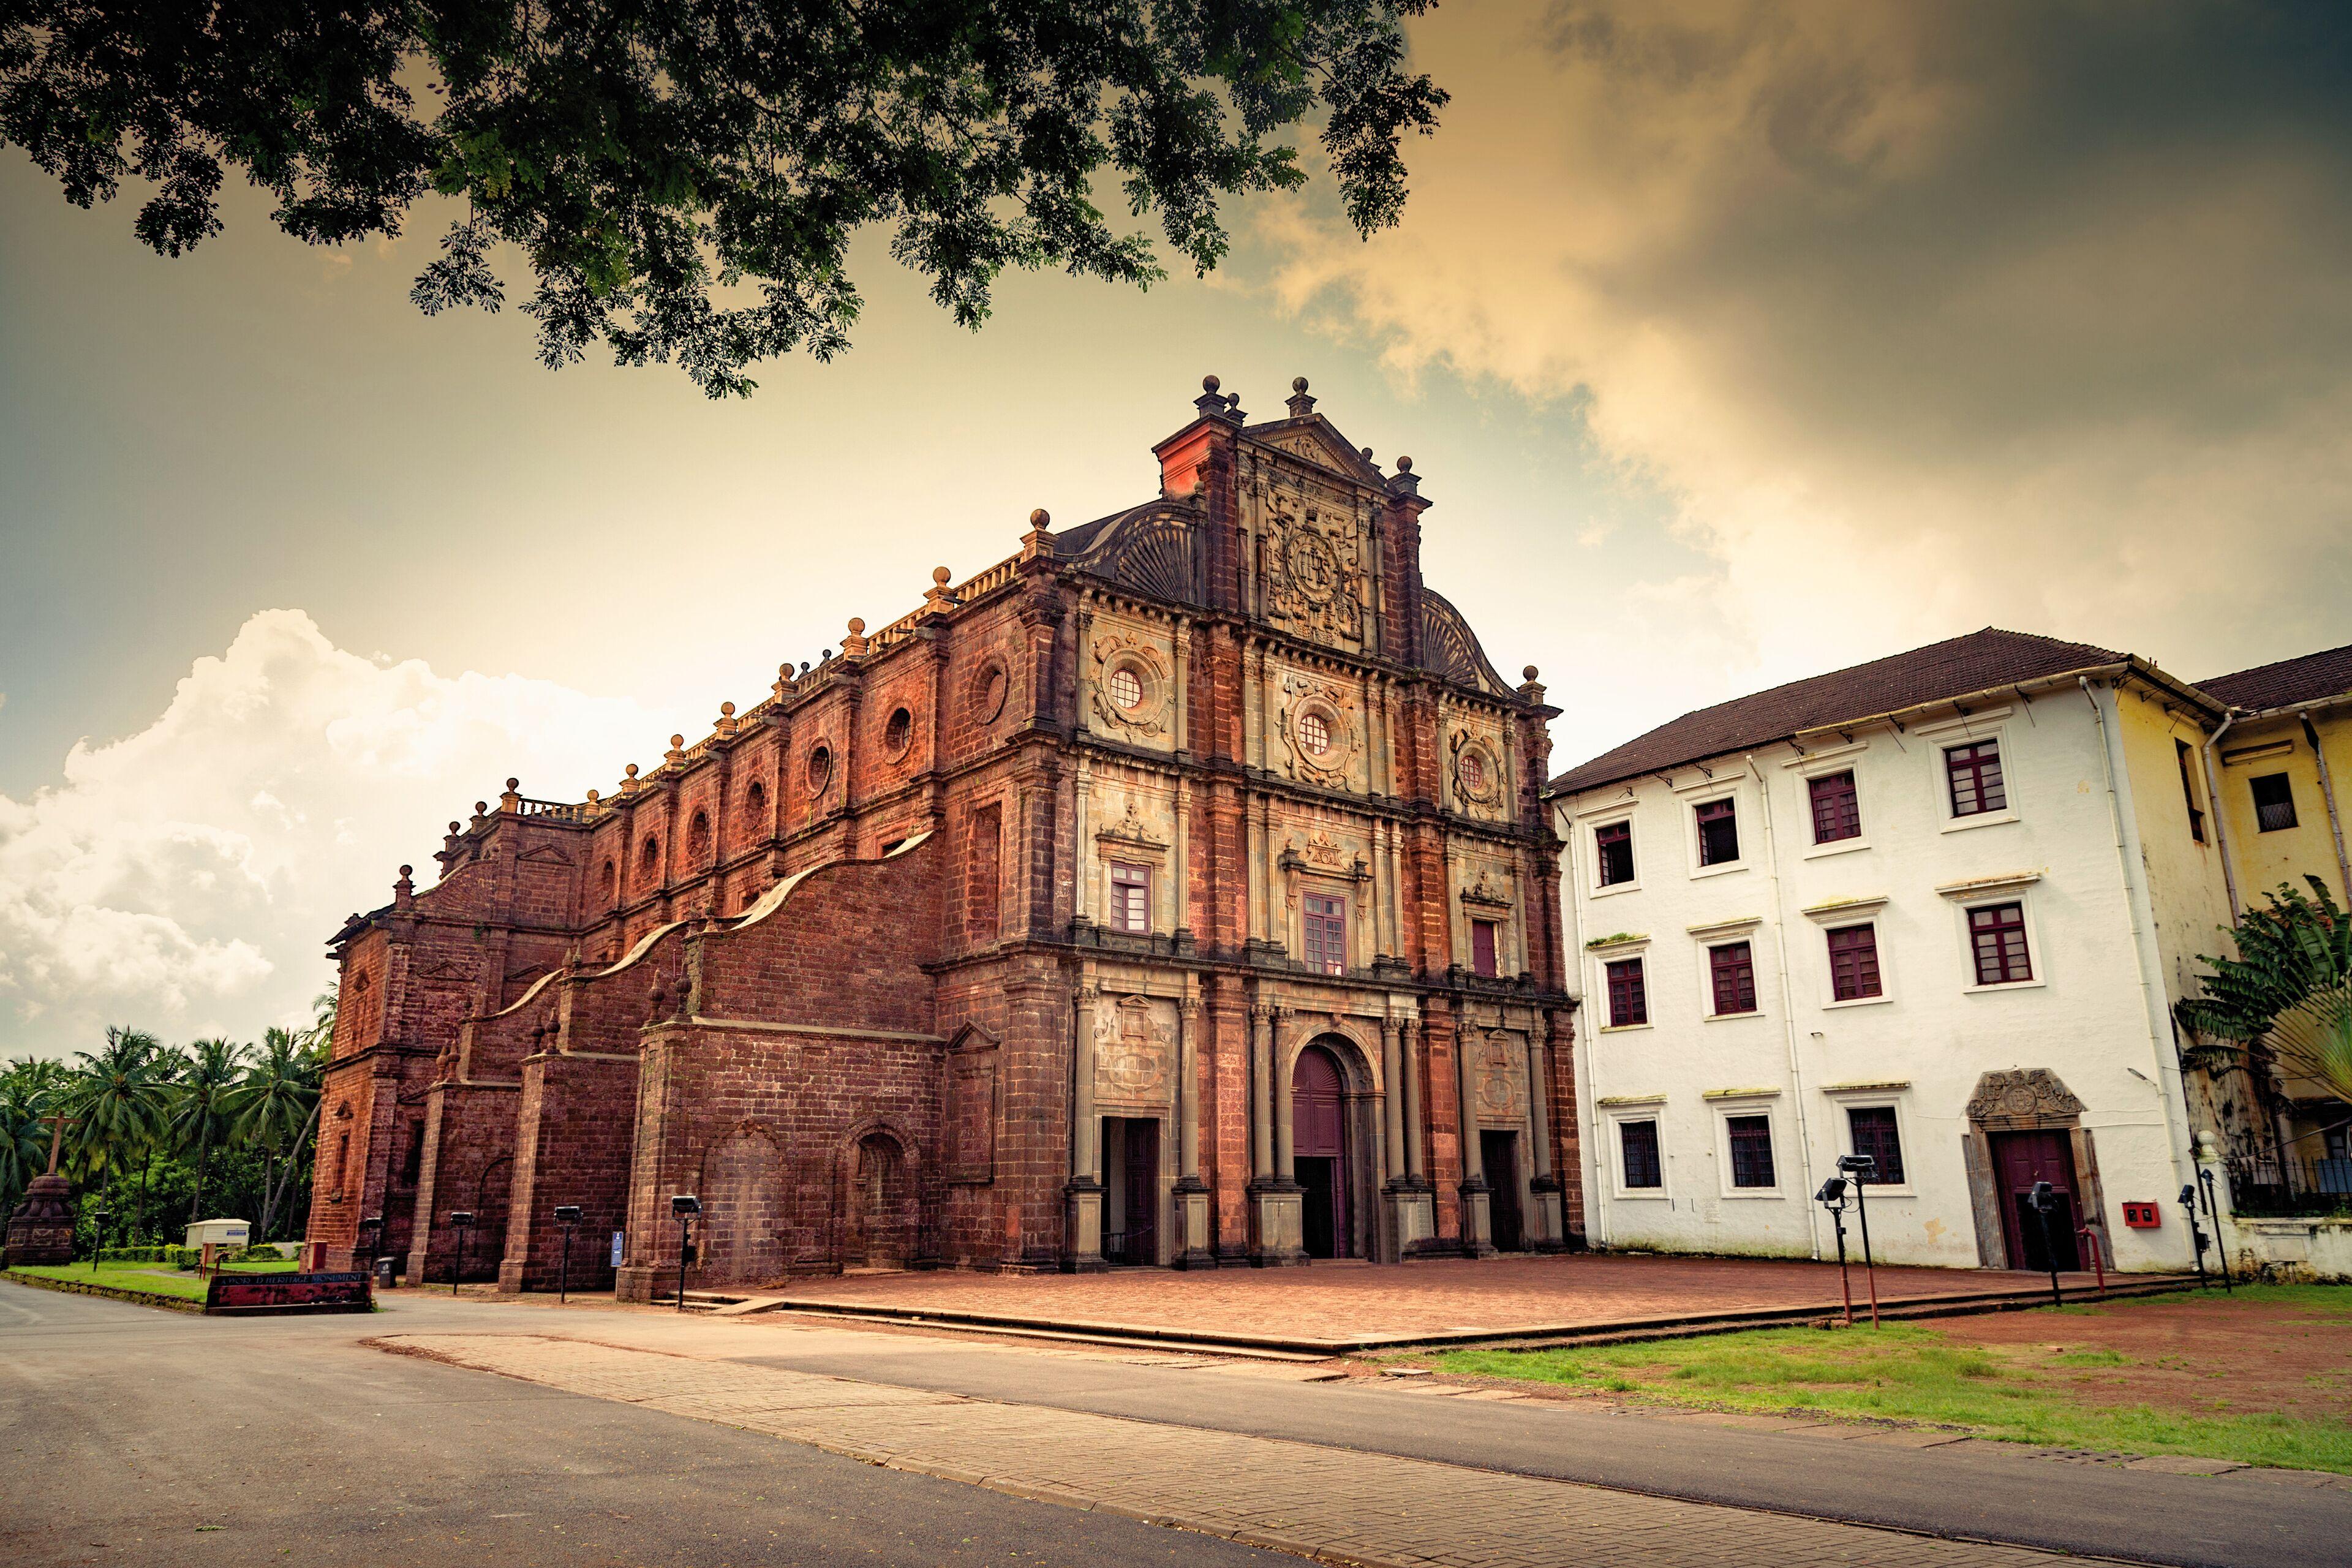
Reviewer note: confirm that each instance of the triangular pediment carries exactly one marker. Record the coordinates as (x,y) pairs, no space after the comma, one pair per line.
(545,855)
(445,970)
(1315,439)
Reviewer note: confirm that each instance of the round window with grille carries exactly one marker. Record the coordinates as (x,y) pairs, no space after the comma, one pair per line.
(1474,773)
(1126,688)
(1314,732)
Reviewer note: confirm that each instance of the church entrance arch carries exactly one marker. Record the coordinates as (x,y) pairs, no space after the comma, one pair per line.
(1321,1156)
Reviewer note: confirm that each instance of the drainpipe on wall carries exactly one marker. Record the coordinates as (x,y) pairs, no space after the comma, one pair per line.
(1787,1013)
(2220,815)
(2159,1019)
(1590,1153)
(2328,794)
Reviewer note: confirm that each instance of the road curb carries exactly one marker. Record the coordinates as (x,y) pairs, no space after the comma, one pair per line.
(111,1293)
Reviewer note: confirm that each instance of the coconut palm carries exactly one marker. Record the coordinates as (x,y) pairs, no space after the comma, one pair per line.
(203,1105)
(119,1098)
(275,1104)
(26,1091)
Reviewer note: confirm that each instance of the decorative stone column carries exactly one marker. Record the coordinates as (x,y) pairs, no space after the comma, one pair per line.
(1195,1223)
(1405,1200)
(1278,1237)
(1478,1223)
(1082,1195)
(1547,1227)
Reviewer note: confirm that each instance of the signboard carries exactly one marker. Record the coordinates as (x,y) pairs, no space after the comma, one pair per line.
(617,1236)
(260,1295)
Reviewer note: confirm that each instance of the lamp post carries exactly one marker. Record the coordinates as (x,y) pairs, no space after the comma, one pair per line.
(1833,1197)
(567,1215)
(464,1220)
(2213,1213)
(685,1205)
(2044,1200)
(371,1238)
(97,1218)
(2196,1231)
(1861,1168)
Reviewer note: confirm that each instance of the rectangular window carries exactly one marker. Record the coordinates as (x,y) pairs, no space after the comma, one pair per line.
(1974,772)
(1130,897)
(1733,968)
(1872,1127)
(2188,792)
(1751,1150)
(1853,963)
(1482,948)
(1638,1141)
(2274,802)
(1718,833)
(1837,812)
(1998,934)
(1327,933)
(1627,1002)
(1614,847)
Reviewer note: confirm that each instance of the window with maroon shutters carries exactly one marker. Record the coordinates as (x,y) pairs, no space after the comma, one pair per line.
(1853,963)
(1751,1150)
(2188,792)
(1627,1002)
(1872,1127)
(1998,934)
(1614,846)
(1718,833)
(1974,772)
(1639,1141)
(1327,935)
(1130,897)
(1837,812)
(1733,967)
(1482,947)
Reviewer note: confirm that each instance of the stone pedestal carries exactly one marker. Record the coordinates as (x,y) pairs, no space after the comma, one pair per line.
(1195,1225)
(41,1230)
(1477,1220)
(1082,1206)
(1411,1218)
(1279,1208)
(1547,1227)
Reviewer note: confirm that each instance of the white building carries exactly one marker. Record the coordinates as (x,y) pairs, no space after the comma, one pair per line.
(1936,908)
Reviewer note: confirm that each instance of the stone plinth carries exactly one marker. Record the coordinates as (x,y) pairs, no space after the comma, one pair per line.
(41,1230)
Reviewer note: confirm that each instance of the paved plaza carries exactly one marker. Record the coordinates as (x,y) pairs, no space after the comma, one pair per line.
(1347,1306)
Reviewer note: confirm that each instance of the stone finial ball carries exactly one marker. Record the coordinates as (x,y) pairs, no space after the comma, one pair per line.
(676,742)
(456,826)
(727,710)
(1210,383)
(407,871)
(1041,517)
(1528,674)
(480,806)
(631,770)
(592,798)
(1298,383)
(1365,453)
(857,625)
(1404,465)
(940,574)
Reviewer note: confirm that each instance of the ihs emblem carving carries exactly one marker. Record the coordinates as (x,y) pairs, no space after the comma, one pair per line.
(1314,563)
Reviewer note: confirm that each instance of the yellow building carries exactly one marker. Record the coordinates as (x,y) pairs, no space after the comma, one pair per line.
(2279,765)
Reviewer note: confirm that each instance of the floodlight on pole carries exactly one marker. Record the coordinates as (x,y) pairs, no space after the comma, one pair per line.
(97,1218)
(686,1206)
(567,1215)
(464,1220)
(1833,1197)
(1862,1168)
(2044,1200)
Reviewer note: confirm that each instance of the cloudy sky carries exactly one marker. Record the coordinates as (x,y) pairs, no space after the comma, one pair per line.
(1735,342)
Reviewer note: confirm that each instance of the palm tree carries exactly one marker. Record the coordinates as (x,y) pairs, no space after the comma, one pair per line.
(26,1091)
(201,1106)
(275,1104)
(119,1098)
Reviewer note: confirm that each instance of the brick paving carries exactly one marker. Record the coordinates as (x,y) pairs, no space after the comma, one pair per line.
(1347,1301)
(1326,1503)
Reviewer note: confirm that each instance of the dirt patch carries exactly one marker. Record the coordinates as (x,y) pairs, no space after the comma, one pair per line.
(2209,1354)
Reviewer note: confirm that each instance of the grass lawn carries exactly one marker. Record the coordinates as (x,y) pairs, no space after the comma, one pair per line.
(2155,1376)
(154,1278)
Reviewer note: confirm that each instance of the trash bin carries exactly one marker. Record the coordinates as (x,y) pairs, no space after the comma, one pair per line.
(384,1266)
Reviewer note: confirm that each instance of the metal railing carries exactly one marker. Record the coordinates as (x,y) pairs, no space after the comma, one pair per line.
(2268,1184)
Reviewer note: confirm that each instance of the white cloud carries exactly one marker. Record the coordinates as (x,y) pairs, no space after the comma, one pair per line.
(1921,318)
(183,879)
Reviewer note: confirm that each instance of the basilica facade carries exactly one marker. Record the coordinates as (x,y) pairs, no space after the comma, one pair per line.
(1176,891)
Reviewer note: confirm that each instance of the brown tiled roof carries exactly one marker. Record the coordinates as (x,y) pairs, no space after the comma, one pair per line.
(2310,679)
(1956,667)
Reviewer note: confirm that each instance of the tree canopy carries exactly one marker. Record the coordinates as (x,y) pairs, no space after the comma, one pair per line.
(2287,995)
(683,178)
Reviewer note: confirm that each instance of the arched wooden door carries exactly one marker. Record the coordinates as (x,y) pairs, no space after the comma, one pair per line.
(1319,1147)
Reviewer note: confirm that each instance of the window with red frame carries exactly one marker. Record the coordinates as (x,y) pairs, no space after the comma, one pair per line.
(1974,773)
(1751,1150)
(1998,934)
(1628,1001)
(1718,833)
(1853,963)
(2188,792)
(1130,897)
(1733,968)
(1482,948)
(1875,1134)
(1327,933)
(1614,847)
(1837,811)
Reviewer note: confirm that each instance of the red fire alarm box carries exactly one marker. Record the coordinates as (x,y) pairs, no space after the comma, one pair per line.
(2141,1216)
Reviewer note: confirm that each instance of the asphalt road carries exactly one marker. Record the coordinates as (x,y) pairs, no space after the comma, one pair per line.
(133,1435)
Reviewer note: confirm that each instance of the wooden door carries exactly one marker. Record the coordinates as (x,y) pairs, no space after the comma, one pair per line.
(1500,1154)
(1142,1219)
(1319,1147)
(2020,1160)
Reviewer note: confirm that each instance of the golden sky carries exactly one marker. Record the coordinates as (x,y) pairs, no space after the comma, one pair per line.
(1735,342)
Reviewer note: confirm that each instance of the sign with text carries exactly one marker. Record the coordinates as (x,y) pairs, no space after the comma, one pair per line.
(259,1294)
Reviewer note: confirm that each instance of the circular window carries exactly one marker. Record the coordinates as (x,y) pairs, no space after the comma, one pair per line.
(1314,732)
(1127,687)
(988,693)
(898,731)
(1474,773)
(820,769)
